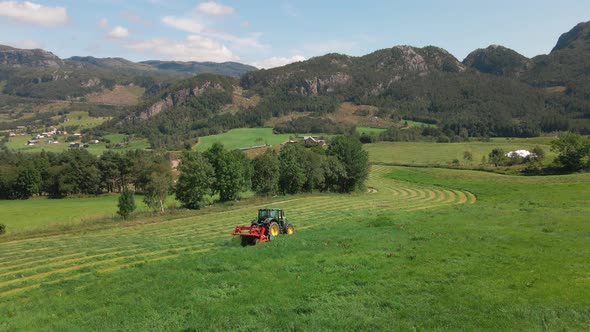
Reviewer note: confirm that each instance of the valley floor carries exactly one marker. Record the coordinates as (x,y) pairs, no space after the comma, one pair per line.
(424,248)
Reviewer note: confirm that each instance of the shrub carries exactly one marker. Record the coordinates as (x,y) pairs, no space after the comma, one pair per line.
(538,152)
(126,203)
(572,149)
(2,229)
(467,156)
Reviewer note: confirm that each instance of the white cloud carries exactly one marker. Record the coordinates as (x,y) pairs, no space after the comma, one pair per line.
(103,23)
(193,48)
(277,61)
(24,44)
(214,8)
(29,12)
(184,24)
(195,27)
(251,41)
(119,32)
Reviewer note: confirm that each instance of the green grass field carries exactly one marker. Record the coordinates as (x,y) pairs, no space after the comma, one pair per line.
(44,213)
(426,153)
(369,130)
(417,124)
(430,249)
(83,120)
(243,137)
(18,143)
(424,249)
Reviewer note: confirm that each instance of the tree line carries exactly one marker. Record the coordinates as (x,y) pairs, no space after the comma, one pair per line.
(77,172)
(342,167)
(573,154)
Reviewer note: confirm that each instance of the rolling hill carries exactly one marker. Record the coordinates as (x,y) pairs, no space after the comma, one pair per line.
(41,74)
(493,92)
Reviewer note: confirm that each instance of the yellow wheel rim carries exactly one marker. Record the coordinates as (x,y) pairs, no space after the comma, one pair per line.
(290,231)
(274,230)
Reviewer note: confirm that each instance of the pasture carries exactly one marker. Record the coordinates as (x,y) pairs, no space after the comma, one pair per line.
(443,154)
(243,137)
(19,143)
(425,249)
(42,213)
(369,130)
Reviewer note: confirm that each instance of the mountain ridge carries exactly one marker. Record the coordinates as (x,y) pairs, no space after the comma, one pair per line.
(494,91)
(17,58)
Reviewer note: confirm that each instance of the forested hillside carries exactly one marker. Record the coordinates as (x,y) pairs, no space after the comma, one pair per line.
(494,92)
(41,74)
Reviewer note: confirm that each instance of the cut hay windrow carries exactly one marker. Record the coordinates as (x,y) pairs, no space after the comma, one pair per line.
(28,263)
(104,270)
(62,270)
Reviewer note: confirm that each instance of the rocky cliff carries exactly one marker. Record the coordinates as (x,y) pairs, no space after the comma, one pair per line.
(14,57)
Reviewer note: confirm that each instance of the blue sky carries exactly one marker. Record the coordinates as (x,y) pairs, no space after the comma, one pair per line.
(271,33)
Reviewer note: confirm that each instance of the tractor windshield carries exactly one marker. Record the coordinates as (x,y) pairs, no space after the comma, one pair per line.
(267,213)
(263,214)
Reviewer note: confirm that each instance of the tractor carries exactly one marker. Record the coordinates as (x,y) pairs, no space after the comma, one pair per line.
(268,225)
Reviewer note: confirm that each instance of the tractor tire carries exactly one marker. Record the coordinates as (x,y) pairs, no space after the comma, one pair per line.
(289,230)
(245,241)
(273,230)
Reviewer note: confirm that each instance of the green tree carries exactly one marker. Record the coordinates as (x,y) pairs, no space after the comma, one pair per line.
(109,165)
(538,152)
(195,181)
(314,173)
(265,178)
(572,149)
(292,172)
(349,151)
(126,203)
(247,169)
(229,177)
(498,157)
(158,186)
(80,174)
(27,183)
(231,173)
(467,155)
(334,174)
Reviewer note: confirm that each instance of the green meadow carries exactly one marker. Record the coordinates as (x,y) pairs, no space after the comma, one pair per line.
(43,213)
(369,130)
(19,143)
(243,137)
(441,154)
(423,249)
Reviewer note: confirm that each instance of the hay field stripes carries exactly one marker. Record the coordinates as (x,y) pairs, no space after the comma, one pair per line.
(30,263)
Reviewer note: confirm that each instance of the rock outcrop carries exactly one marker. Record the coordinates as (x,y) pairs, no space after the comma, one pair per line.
(177,98)
(15,57)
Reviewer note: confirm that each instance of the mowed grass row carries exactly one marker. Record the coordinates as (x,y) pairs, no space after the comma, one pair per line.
(398,190)
(27,264)
(407,195)
(517,260)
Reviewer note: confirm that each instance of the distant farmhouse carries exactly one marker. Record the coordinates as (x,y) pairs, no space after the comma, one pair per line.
(307,140)
(521,154)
